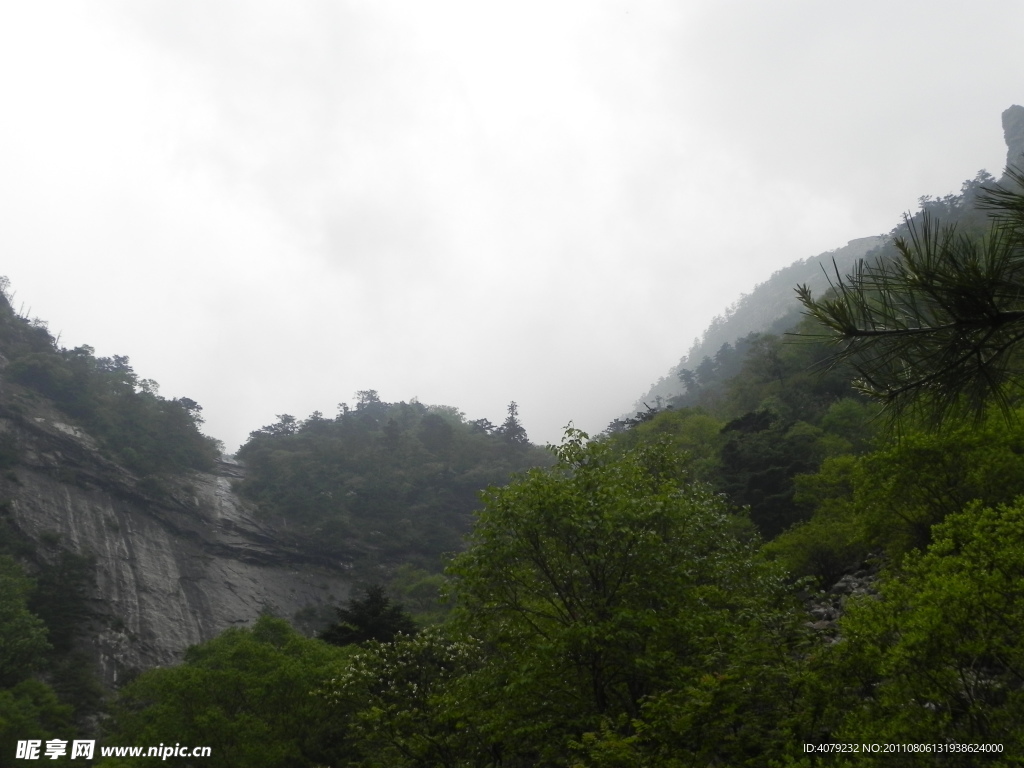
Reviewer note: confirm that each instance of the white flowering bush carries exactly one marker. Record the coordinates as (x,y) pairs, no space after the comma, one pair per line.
(403,701)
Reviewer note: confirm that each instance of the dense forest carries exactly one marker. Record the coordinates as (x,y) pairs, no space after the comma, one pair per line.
(819,542)
(382,483)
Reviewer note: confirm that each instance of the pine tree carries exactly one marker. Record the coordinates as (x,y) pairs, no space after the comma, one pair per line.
(511,429)
(938,328)
(373,617)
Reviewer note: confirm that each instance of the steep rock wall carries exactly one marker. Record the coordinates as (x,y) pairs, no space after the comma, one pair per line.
(174,566)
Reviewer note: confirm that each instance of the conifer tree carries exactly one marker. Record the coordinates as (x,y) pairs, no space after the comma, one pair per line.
(373,617)
(511,429)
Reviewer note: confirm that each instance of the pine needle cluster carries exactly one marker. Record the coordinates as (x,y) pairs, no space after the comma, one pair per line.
(936,330)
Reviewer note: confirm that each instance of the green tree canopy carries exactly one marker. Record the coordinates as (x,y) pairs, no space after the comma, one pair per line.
(380,484)
(937,656)
(142,430)
(29,709)
(889,500)
(23,642)
(247,694)
(612,600)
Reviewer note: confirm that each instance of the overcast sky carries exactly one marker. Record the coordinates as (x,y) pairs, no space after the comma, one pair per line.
(269,206)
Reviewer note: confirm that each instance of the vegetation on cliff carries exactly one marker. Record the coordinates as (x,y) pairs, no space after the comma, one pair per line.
(133,423)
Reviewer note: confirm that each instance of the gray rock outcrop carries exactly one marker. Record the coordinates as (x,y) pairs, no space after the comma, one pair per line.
(825,608)
(174,566)
(1013,133)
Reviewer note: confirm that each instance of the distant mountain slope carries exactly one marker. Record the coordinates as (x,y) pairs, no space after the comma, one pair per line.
(770,307)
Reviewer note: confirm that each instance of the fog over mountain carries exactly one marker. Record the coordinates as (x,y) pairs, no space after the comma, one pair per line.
(770,308)
(268,208)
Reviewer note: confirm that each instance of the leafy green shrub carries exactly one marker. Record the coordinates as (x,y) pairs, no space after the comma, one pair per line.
(23,640)
(31,710)
(247,694)
(823,548)
(891,498)
(938,658)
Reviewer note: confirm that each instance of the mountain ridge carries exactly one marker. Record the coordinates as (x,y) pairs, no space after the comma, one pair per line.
(772,302)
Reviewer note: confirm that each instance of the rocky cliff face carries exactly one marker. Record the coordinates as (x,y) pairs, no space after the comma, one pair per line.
(174,565)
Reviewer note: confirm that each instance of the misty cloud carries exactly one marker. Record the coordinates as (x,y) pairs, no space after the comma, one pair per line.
(269,208)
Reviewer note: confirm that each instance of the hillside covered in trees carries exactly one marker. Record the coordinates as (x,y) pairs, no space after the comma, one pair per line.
(381,484)
(791,552)
(765,564)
